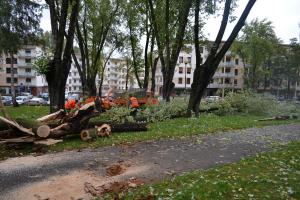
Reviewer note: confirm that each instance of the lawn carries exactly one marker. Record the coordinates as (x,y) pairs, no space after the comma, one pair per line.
(273,175)
(173,128)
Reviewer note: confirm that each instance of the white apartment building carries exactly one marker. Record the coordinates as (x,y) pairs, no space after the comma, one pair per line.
(229,75)
(114,77)
(25,77)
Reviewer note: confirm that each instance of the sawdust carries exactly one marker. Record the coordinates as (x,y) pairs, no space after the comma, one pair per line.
(81,185)
(117,169)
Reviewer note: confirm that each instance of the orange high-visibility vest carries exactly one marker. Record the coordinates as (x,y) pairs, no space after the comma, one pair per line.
(134,102)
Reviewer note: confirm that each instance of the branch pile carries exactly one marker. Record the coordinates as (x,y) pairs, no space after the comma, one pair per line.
(49,128)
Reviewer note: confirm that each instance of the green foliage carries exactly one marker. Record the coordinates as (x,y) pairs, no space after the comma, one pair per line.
(41,64)
(120,114)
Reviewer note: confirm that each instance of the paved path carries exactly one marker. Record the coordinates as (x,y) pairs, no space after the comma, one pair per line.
(62,175)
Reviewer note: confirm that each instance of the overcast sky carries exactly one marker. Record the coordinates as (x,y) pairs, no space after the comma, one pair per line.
(285,15)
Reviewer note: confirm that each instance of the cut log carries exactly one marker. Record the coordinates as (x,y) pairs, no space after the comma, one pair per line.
(43,131)
(126,127)
(17,126)
(282,117)
(57,115)
(85,135)
(10,133)
(18,140)
(104,130)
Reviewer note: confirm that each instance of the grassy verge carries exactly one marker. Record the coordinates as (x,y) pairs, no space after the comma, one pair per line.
(175,128)
(274,175)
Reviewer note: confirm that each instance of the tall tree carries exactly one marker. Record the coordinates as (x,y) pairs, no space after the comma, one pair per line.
(204,72)
(98,21)
(259,43)
(169,18)
(63,15)
(19,25)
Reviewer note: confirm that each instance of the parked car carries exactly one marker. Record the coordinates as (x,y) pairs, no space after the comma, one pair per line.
(35,101)
(22,100)
(212,98)
(27,94)
(45,96)
(7,100)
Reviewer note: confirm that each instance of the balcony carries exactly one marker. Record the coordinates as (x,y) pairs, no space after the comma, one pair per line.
(220,85)
(25,65)
(227,64)
(26,55)
(27,75)
(224,75)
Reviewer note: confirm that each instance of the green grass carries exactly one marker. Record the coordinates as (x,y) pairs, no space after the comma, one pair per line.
(28,112)
(273,175)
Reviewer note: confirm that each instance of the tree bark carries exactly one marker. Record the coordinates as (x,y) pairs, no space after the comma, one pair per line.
(60,65)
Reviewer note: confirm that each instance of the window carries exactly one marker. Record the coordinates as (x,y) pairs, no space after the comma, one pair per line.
(228,58)
(74,87)
(70,88)
(236,61)
(8,61)
(235,81)
(27,51)
(189,59)
(28,70)
(227,80)
(223,70)
(236,72)
(180,70)
(179,80)
(74,80)
(28,80)
(180,59)
(8,80)
(70,81)
(27,60)
(108,69)
(188,70)
(8,70)
(227,70)
(108,63)
(74,73)
(188,81)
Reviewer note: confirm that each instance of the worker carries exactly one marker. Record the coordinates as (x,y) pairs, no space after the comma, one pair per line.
(133,104)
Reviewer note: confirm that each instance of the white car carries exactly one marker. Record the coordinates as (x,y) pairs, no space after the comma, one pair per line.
(37,101)
(212,98)
(22,100)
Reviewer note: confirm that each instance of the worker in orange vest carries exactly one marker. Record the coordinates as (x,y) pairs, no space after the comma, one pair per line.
(133,102)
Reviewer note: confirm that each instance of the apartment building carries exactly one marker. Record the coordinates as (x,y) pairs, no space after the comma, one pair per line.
(229,75)
(26,79)
(114,77)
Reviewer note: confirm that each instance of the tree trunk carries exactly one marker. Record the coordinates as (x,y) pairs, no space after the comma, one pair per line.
(153,75)
(12,83)
(203,73)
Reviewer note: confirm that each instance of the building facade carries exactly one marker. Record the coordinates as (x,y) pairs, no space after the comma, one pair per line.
(229,75)
(26,79)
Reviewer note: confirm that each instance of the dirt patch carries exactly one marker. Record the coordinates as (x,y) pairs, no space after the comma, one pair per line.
(112,187)
(117,169)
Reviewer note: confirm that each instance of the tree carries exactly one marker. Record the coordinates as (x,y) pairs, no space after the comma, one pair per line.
(204,72)
(259,42)
(98,22)
(63,15)
(169,19)
(19,25)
